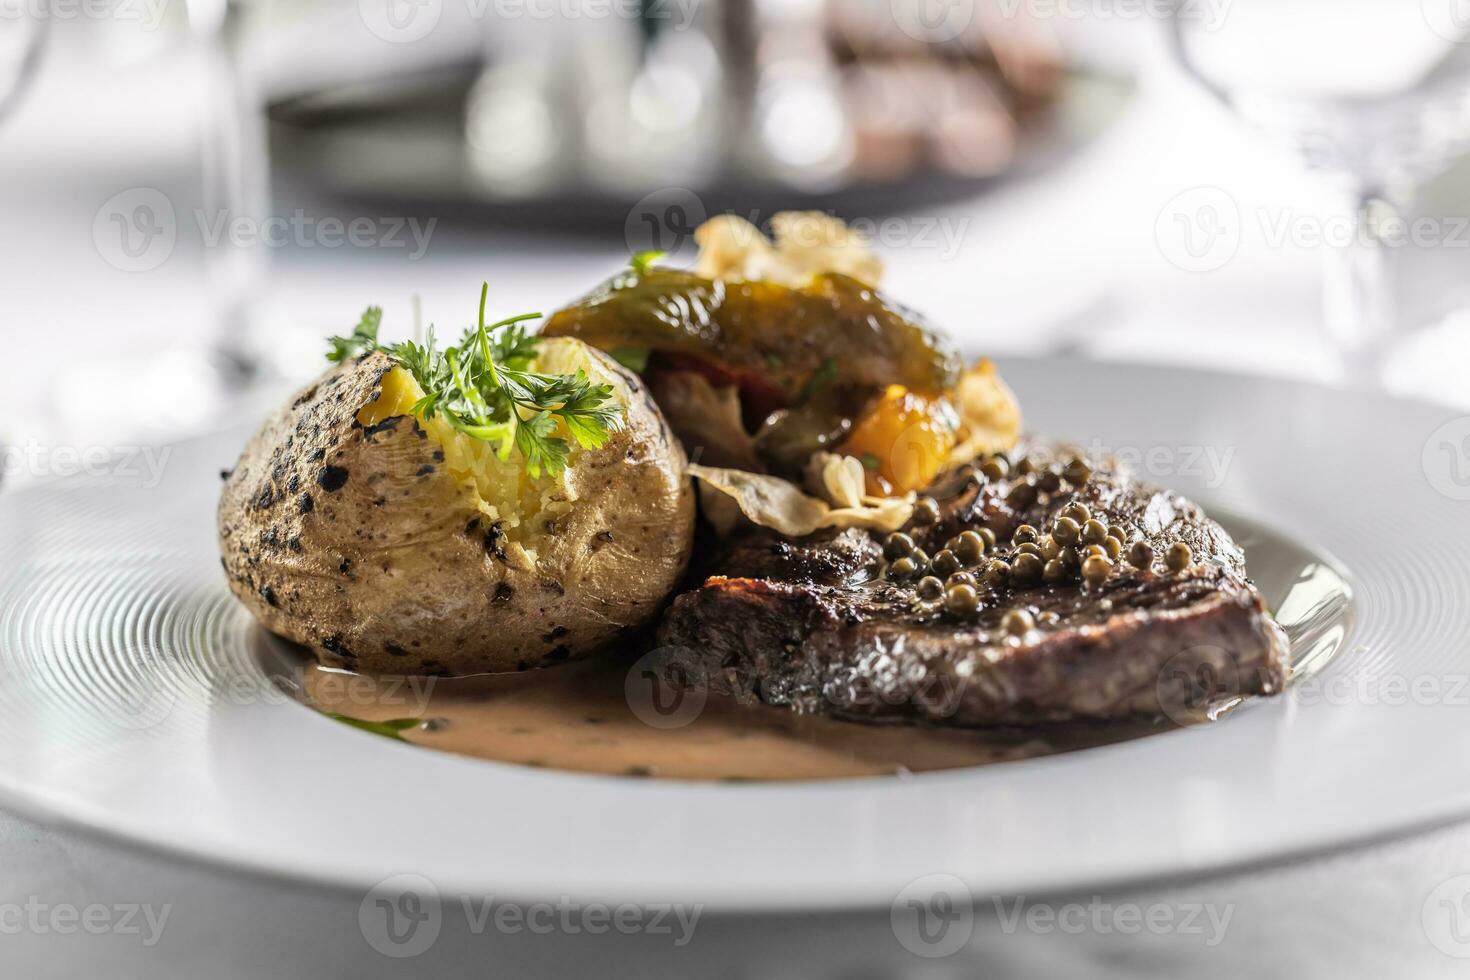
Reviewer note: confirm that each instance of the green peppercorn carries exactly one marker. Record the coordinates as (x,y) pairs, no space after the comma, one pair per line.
(1094,532)
(1113,546)
(1049,481)
(969,548)
(1092,551)
(930,588)
(988,536)
(960,578)
(995,468)
(1114,531)
(1026,569)
(1029,548)
(1077,471)
(1178,557)
(1023,534)
(1022,495)
(1077,512)
(997,574)
(946,563)
(1070,558)
(1028,464)
(903,568)
(1049,547)
(1017,622)
(962,600)
(897,545)
(1096,569)
(1066,531)
(926,511)
(1054,572)
(1141,555)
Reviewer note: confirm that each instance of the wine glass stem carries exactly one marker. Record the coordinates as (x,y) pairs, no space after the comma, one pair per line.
(1359,303)
(236,189)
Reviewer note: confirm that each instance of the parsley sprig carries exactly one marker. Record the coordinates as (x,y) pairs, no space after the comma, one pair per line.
(484,388)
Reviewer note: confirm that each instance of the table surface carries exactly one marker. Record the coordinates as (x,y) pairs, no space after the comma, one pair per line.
(990,274)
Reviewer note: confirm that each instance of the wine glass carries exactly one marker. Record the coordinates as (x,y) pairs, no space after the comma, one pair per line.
(23,29)
(1372,95)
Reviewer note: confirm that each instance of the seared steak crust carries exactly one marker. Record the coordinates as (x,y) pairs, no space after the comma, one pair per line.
(813,625)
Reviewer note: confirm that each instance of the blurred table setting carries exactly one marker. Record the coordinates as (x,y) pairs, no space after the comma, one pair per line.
(194,194)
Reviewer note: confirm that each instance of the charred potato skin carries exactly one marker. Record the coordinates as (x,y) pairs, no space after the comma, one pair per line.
(354,541)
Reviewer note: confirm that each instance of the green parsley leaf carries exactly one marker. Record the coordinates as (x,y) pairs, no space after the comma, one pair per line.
(388,729)
(484,388)
(364,337)
(641,262)
(821,378)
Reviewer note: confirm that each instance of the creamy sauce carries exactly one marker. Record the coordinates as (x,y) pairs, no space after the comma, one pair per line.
(581,717)
(604,716)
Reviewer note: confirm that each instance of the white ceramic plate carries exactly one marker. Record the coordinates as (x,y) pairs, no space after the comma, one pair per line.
(131,702)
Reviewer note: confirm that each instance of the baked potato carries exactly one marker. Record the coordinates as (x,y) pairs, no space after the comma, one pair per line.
(391,543)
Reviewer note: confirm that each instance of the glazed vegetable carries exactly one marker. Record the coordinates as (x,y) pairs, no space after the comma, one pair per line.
(783,343)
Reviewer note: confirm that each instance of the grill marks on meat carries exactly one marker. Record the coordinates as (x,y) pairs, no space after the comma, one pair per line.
(811,625)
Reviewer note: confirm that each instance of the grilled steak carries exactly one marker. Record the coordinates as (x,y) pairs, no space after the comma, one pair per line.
(824,625)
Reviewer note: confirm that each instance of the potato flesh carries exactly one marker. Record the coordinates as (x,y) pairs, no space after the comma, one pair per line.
(505,493)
